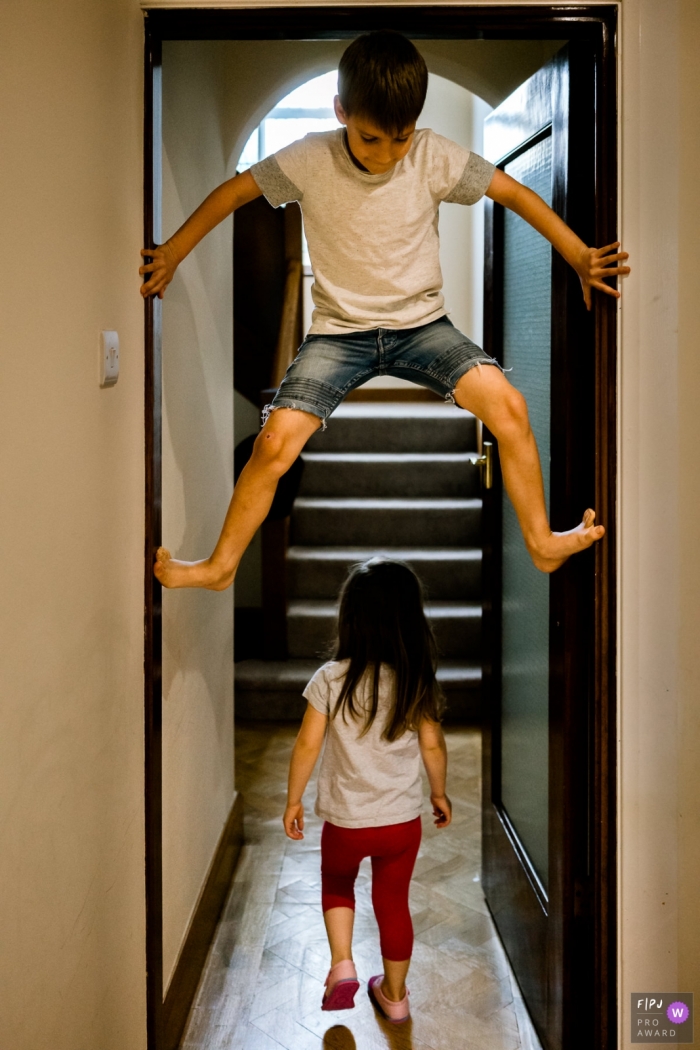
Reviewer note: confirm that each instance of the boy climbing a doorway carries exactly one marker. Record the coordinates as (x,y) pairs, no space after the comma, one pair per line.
(370,194)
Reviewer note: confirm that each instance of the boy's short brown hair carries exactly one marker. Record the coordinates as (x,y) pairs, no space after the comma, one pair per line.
(383,78)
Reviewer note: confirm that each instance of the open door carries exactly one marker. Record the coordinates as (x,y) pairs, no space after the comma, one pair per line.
(542,874)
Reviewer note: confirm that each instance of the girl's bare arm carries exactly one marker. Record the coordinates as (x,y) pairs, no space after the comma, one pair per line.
(434,754)
(306,751)
(591,264)
(166,258)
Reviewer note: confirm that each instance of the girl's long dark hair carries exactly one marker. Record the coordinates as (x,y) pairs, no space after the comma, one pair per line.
(381,621)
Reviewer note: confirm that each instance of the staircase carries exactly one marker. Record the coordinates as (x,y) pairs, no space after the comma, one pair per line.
(396,478)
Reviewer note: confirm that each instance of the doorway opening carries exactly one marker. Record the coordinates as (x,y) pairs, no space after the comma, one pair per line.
(170,31)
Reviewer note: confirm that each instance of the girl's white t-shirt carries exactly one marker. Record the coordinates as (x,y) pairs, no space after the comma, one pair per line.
(364,781)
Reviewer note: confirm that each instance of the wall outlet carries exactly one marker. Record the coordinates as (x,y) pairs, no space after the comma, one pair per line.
(109,358)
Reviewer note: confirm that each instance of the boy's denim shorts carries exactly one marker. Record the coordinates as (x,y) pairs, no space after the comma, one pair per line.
(328,367)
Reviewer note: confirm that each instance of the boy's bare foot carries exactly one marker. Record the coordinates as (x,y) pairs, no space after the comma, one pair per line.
(559,546)
(173,573)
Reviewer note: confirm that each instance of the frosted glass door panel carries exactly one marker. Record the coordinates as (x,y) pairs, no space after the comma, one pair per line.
(525,643)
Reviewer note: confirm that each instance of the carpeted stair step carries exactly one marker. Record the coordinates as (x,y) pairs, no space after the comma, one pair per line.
(268,690)
(311,627)
(402,474)
(319,521)
(446,572)
(396,427)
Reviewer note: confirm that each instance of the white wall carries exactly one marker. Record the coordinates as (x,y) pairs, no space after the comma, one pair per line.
(197,484)
(456,113)
(72,952)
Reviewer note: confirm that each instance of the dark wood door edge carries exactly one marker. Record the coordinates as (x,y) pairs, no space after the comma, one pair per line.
(153,789)
(526,942)
(604,785)
(193,956)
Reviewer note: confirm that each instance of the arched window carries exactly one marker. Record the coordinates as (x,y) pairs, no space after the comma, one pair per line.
(307,108)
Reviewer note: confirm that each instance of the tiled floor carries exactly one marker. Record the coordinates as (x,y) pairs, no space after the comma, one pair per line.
(264,978)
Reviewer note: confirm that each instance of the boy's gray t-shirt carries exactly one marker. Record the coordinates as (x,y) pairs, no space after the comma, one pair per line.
(364,781)
(373,239)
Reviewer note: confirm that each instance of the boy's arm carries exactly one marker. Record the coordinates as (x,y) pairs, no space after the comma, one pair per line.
(306,751)
(591,264)
(434,754)
(166,258)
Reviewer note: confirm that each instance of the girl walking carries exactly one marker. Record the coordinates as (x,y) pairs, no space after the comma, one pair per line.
(377,706)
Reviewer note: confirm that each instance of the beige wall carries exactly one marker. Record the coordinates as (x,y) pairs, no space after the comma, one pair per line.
(72,957)
(689,500)
(197,485)
(660,502)
(659,740)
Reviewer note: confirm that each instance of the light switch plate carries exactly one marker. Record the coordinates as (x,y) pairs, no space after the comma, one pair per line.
(109,358)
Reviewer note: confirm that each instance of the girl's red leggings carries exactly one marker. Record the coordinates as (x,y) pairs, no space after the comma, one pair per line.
(393,849)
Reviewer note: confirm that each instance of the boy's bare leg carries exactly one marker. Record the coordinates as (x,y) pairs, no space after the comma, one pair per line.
(486,392)
(277,446)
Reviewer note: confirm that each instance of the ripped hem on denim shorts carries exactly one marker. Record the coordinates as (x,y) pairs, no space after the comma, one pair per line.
(450,398)
(269,409)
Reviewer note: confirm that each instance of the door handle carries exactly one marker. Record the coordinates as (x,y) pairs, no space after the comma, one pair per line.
(485,464)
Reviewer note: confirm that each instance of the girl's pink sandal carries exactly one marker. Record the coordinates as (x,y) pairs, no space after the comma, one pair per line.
(397,1013)
(341,986)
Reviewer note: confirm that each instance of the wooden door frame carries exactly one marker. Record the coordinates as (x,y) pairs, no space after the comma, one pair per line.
(566,918)
(153,623)
(593,22)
